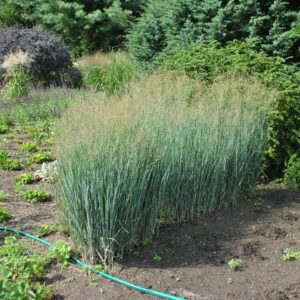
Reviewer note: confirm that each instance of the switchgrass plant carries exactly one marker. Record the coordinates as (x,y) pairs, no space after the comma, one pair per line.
(170,147)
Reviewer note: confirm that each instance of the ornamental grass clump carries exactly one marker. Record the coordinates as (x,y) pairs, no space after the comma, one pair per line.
(168,148)
(16,67)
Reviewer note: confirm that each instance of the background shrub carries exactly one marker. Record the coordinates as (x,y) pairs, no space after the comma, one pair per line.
(50,56)
(83,25)
(171,147)
(292,173)
(167,25)
(207,61)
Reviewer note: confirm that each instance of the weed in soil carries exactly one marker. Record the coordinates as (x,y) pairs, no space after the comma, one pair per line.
(3,196)
(4,214)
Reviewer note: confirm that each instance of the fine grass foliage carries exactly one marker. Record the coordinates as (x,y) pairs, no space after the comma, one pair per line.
(170,147)
(17,79)
(110,77)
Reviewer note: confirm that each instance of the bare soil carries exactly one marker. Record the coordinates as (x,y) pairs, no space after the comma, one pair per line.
(193,256)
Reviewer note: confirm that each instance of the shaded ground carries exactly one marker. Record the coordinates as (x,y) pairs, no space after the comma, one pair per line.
(193,256)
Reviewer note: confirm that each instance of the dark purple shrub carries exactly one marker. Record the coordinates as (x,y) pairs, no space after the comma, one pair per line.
(52,60)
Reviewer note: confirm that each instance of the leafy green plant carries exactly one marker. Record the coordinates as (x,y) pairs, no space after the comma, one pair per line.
(170,148)
(29,147)
(40,157)
(62,252)
(8,164)
(35,195)
(20,271)
(3,196)
(236,263)
(46,230)
(25,178)
(292,173)
(291,255)
(4,214)
(146,241)
(157,258)
(4,129)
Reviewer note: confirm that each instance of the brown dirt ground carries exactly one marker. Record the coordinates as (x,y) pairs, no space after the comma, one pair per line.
(193,256)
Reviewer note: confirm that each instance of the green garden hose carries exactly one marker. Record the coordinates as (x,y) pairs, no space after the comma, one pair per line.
(105,275)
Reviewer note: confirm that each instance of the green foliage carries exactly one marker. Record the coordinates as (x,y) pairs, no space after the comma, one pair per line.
(157,258)
(110,77)
(61,252)
(46,230)
(167,25)
(148,37)
(34,195)
(292,173)
(206,62)
(20,270)
(291,255)
(40,157)
(7,163)
(3,196)
(236,263)
(4,128)
(29,147)
(25,178)
(171,147)
(84,25)
(4,214)
(41,107)
(17,84)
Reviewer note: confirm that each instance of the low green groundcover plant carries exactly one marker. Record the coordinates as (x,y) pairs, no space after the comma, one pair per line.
(25,178)
(172,148)
(291,255)
(40,157)
(4,214)
(46,230)
(7,163)
(236,263)
(35,195)
(29,147)
(20,270)
(4,129)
